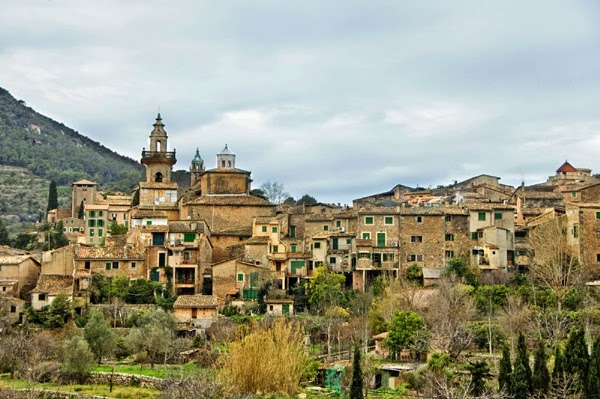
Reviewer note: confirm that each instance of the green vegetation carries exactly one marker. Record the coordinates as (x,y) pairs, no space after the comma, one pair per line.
(36,149)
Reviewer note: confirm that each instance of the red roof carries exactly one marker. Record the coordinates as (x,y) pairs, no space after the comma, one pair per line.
(566,167)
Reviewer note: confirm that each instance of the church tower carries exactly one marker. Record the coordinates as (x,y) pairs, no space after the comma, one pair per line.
(158,160)
(197,167)
(158,190)
(226,159)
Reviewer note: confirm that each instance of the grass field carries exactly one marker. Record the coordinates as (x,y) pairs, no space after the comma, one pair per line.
(102,390)
(160,371)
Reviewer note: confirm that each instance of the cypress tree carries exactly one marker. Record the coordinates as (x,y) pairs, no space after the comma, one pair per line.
(52,196)
(80,212)
(577,359)
(480,372)
(541,375)
(4,237)
(523,358)
(505,370)
(558,373)
(356,389)
(593,382)
(519,387)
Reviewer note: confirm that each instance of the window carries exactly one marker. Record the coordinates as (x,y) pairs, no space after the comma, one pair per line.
(41,297)
(189,237)
(240,277)
(264,229)
(597,257)
(366,236)
(498,216)
(113,216)
(419,219)
(100,232)
(275,248)
(293,231)
(107,266)
(293,248)
(449,237)
(91,241)
(597,215)
(349,241)
(573,194)
(416,238)
(317,245)
(388,257)
(473,235)
(576,231)
(13,309)
(368,219)
(100,223)
(92,223)
(148,222)
(274,230)
(481,216)
(414,258)
(364,255)
(87,265)
(325,228)
(449,254)
(100,214)
(115,265)
(338,223)
(186,255)
(91,232)
(480,234)
(388,220)
(92,214)
(332,260)
(132,265)
(448,218)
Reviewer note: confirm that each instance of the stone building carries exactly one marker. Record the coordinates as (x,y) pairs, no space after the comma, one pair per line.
(82,192)
(237,280)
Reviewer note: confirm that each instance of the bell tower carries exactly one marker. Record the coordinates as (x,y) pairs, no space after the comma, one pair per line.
(158,160)
(197,167)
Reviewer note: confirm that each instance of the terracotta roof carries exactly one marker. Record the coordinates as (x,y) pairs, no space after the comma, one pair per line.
(154,228)
(566,167)
(14,259)
(54,284)
(108,252)
(279,300)
(257,240)
(228,170)
(487,206)
(147,213)
(543,195)
(417,210)
(195,301)
(241,199)
(186,226)
(84,181)
(241,231)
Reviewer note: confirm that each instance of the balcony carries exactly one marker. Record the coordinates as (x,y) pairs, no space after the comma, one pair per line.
(278,256)
(152,156)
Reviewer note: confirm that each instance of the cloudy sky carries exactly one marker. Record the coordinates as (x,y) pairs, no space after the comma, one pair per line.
(339,99)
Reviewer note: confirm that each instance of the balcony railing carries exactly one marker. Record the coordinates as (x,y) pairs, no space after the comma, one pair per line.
(158,154)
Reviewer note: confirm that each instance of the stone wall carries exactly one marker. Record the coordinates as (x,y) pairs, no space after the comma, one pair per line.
(129,380)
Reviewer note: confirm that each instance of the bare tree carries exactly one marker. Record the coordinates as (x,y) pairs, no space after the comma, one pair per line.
(274,192)
(515,317)
(454,308)
(554,260)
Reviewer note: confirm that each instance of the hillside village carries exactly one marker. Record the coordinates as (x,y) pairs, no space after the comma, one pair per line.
(217,245)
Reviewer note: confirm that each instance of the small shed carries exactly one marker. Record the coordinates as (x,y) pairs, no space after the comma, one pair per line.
(188,308)
(279,306)
(431,275)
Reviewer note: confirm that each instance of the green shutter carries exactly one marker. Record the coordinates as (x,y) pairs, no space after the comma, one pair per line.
(498,216)
(189,237)
(264,229)
(481,216)
(473,235)
(296,264)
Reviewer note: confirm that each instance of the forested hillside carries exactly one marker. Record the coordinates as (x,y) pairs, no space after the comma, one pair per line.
(44,149)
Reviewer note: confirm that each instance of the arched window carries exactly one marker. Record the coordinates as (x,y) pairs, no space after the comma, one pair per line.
(158,144)
(223,164)
(158,177)
(229,163)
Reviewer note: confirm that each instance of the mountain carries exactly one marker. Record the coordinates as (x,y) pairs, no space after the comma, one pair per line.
(35,149)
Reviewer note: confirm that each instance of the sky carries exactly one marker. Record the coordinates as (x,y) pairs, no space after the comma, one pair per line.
(337,99)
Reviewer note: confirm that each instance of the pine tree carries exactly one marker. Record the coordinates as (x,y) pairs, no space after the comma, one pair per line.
(505,370)
(523,358)
(52,196)
(356,389)
(541,375)
(577,359)
(80,212)
(593,381)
